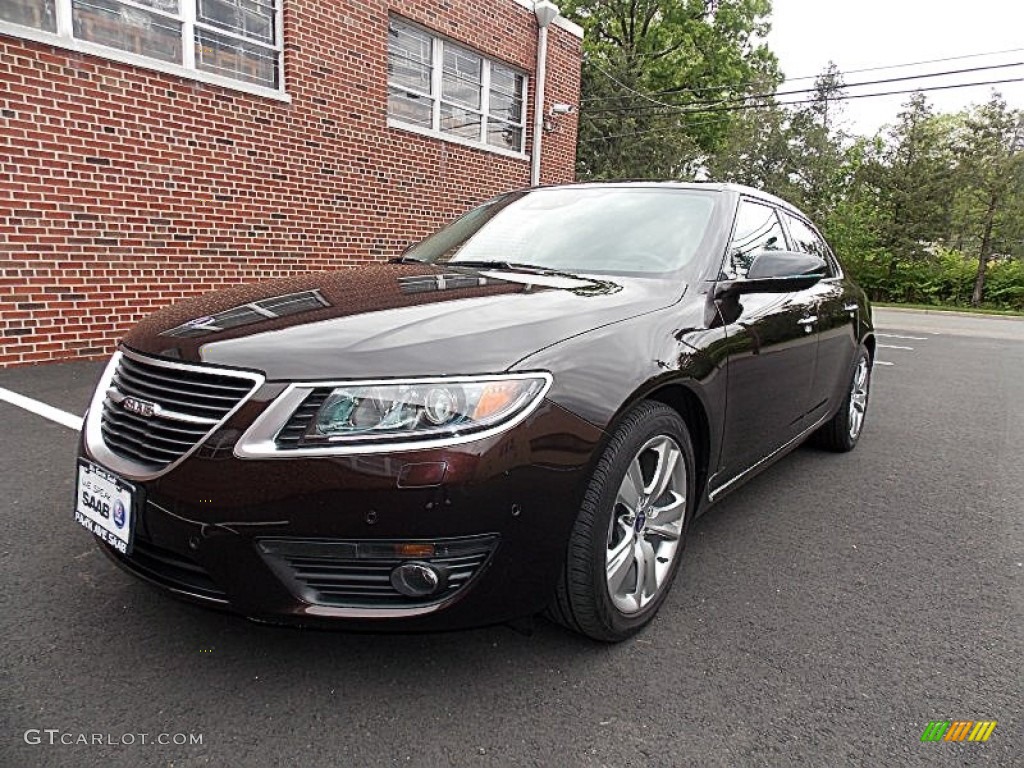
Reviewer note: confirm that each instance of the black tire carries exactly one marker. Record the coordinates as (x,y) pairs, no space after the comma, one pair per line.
(836,433)
(582,601)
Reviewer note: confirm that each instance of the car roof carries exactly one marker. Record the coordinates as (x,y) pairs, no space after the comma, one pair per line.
(713,186)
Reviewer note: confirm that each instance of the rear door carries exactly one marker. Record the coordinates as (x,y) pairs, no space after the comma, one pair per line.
(772,350)
(835,309)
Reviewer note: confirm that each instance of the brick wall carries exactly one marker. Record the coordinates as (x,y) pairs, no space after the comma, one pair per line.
(123,189)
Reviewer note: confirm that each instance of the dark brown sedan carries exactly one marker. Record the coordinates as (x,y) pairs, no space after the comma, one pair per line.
(523,413)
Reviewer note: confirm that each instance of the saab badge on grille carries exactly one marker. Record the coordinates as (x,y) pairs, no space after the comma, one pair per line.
(140,407)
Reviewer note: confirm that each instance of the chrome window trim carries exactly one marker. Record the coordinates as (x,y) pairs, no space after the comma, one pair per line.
(97,448)
(258,441)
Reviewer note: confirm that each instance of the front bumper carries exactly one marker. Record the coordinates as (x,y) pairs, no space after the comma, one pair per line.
(208,527)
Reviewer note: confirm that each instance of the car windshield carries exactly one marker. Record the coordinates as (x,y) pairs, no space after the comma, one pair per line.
(616,230)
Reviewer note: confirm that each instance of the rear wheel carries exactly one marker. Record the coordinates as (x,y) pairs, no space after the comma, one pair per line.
(842,431)
(628,539)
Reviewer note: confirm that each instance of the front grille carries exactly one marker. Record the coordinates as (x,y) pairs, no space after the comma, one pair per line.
(189,402)
(169,569)
(340,574)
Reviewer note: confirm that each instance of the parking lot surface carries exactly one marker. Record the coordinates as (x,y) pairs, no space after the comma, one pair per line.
(824,614)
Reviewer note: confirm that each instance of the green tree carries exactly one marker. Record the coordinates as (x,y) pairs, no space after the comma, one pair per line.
(796,152)
(991,176)
(658,77)
(913,176)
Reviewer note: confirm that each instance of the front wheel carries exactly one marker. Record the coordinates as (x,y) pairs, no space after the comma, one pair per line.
(628,539)
(842,431)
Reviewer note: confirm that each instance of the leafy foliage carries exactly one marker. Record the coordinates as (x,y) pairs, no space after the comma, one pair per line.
(686,54)
(930,210)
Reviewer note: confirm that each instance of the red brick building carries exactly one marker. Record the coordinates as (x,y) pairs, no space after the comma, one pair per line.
(154,149)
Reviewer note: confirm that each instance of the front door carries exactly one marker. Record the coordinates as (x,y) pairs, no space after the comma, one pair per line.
(772,343)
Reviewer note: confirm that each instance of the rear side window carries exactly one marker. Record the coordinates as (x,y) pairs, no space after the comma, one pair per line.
(757,229)
(806,240)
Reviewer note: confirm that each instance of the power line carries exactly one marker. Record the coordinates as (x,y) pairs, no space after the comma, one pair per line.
(812,90)
(704,89)
(637,93)
(730,107)
(739,107)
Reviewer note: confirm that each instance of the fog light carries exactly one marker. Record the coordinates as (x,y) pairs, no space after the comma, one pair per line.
(416,579)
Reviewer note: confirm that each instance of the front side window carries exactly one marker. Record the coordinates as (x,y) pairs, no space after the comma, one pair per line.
(757,229)
(448,89)
(234,39)
(611,230)
(806,240)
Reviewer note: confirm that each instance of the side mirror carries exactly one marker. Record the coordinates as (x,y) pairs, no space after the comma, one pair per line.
(776,272)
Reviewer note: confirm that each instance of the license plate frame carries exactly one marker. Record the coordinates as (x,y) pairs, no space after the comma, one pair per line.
(107,505)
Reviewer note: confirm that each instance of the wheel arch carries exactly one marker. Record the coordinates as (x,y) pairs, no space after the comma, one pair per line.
(689,406)
(681,396)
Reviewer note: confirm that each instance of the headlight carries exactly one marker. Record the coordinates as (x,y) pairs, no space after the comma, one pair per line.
(420,409)
(372,416)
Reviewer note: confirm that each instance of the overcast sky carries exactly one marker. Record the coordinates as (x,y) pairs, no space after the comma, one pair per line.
(855,34)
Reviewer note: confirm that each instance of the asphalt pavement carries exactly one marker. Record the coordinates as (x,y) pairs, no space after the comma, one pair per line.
(824,614)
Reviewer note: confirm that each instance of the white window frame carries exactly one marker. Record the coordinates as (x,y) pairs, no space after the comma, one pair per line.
(64,38)
(436,96)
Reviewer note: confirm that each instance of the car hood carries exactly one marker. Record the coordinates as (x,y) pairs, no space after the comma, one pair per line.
(393,320)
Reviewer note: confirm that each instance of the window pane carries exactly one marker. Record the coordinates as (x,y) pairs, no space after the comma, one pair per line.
(806,240)
(507,81)
(167,6)
(409,72)
(757,229)
(108,22)
(506,107)
(410,107)
(460,122)
(410,57)
(236,59)
(250,18)
(409,43)
(39,14)
(463,74)
(503,135)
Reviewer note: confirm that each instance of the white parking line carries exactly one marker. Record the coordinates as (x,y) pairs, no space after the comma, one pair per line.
(63,418)
(893,346)
(883,362)
(897,336)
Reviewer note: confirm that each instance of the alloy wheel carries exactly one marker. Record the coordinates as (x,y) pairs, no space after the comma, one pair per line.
(859,397)
(646,524)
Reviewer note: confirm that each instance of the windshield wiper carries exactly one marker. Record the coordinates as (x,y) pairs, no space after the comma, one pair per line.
(511,266)
(403,259)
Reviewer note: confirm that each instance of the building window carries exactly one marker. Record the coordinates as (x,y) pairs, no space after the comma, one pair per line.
(39,14)
(438,86)
(238,40)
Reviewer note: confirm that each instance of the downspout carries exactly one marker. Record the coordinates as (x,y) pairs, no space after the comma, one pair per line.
(546,12)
